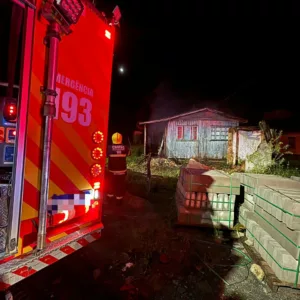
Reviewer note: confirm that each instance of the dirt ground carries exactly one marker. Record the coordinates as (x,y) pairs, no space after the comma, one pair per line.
(141,256)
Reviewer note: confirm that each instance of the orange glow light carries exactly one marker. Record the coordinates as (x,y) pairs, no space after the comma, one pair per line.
(96,203)
(96,170)
(98,137)
(97,153)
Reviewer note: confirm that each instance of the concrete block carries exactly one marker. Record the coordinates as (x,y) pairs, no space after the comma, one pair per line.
(285,260)
(266,239)
(253,181)
(245,214)
(211,181)
(249,204)
(281,262)
(287,238)
(200,200)
(195,217)
(269,252)
(283,204)
(248,180)
(242,221)
(256,232)
(251,224)
(249,198)
(240,176)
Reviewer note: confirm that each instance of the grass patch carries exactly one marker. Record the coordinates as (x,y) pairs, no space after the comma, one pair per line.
(165,174)
(283,170)
(167,168)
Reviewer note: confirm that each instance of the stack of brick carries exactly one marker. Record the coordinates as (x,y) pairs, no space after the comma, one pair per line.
(249,183)
(206,197)
(247,208)
(274,224)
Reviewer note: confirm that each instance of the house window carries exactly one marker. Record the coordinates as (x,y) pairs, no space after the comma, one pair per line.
(187,133)
(194,133)
(292,142)
(179,132)
(219,133)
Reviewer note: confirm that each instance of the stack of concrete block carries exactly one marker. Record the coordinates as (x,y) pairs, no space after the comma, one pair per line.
(274,224)
(251,182)
(206,197)
(247,208)
(283,204)
(279,259)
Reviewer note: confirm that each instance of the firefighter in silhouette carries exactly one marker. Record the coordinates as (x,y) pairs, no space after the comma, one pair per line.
(117,167)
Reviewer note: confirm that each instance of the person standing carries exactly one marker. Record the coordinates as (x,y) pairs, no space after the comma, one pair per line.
(117,167)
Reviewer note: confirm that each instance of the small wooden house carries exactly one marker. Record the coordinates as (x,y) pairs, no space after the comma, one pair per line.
(201,133)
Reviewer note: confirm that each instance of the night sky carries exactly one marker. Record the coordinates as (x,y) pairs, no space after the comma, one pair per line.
(239,58)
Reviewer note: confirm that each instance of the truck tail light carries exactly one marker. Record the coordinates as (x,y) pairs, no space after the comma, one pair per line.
(98,137)
(10,112)
(96,170)
(97,185)
(96,194)
(96,190)
(97,153)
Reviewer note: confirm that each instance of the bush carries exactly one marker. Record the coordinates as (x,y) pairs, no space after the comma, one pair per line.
(269,155)
(137,150)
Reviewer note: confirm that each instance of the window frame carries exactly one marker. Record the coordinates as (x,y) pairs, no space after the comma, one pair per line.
(177,132)
(213,135)
(187,129)
(194,138)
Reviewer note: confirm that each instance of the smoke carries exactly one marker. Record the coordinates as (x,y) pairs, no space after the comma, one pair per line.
(167,100)
(164,102)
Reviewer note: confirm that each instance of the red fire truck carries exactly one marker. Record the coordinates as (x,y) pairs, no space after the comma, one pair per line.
(54,108)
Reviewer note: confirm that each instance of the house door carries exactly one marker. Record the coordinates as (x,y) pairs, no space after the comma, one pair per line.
(203,139)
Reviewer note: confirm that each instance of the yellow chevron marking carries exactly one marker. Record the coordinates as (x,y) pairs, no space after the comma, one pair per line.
(60,159)
(28,212)
(73,137)
(27,249)
(58,236)
(32,175)
(85,225)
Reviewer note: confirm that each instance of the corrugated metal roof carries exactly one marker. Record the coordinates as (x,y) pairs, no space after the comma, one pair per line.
(194,112)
